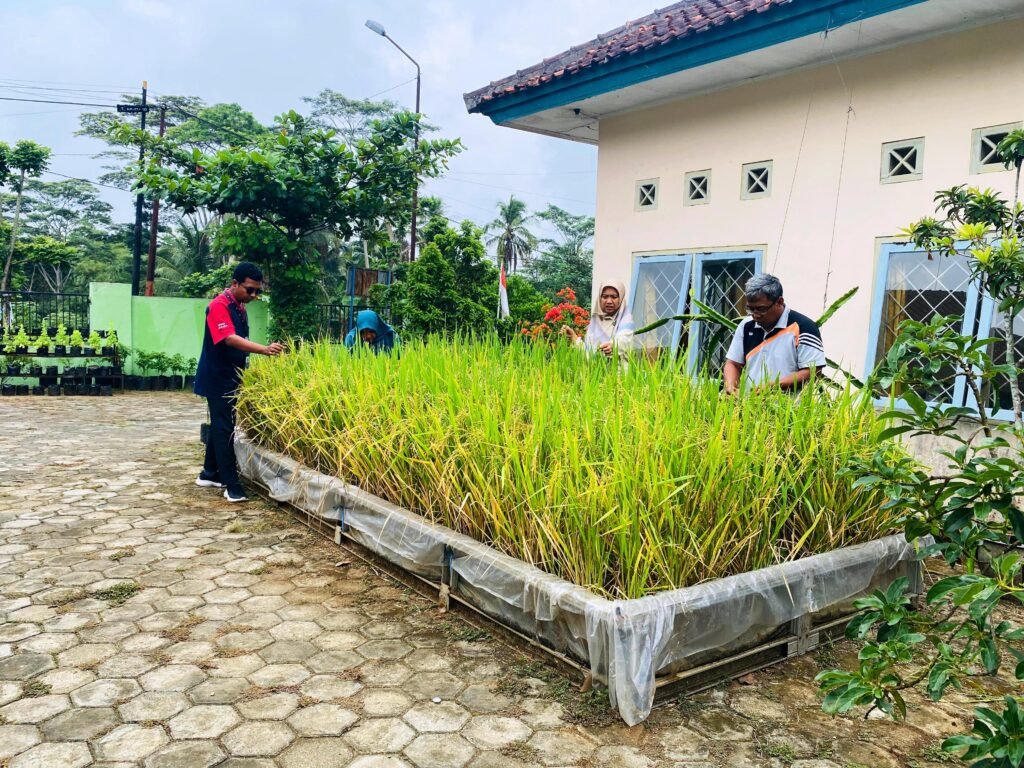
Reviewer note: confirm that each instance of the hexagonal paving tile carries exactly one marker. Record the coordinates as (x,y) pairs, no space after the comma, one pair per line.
(444,717)
(34,710)
(205,721)
(66,755)
(153,705)
(126,665)
(249,640)
(219,691)
(379,761)
(384,735)
(194,754)
(130,743)
(255,739)
(279,674)
(380,702)
(15,739)
(284,651)
(25,666)
(274,706)
(296,630)
(439,751)
(561,747)
(328,687)
(80,724)
(321,753)
(384,649)
(489,732)
(431,684)
(322,720)
(174,677)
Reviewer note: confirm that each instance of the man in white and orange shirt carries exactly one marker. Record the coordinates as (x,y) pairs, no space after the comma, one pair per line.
(775,346)
(226,350)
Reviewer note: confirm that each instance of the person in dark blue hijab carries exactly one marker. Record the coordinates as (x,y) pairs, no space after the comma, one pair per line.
(373,332)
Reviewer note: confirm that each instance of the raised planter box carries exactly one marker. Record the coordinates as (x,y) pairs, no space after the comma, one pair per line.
(632,646)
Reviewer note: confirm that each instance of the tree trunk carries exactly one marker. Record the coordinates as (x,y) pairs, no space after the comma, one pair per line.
(5,283)
(1014,377)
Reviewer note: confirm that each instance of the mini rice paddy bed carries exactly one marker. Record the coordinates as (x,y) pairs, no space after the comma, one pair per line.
(633,520)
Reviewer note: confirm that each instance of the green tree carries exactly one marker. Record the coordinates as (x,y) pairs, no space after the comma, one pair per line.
(525,303)
(26,159)
(280,190)
(567,260)
(352,119)
(513,241)
(185,251)
(428,299)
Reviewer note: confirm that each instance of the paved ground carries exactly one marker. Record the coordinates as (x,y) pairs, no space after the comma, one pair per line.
(148,622)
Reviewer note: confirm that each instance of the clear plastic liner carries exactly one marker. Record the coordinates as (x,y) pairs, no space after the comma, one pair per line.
(627,644)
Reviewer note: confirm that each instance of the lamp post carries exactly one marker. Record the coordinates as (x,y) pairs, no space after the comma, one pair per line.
(374,26)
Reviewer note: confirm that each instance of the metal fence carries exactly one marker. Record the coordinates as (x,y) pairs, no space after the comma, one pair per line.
(335,320)
(39,311)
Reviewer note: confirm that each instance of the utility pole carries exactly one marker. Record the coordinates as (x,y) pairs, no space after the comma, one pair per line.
(137,249)
(154,221)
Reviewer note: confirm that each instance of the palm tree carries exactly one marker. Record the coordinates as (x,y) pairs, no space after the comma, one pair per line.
(514,242)
(27,159)
(184,252)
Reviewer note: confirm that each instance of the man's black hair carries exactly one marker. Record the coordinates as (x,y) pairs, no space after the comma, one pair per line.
(247,271)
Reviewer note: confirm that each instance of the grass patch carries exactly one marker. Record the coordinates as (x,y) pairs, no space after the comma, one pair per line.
(655,494)
(35,688)
(825,655)
(71,597)
(458,630)
(935,753)
(780,750)
(121,554)
(183,631)
(521,751)
(227,629)
(119,593)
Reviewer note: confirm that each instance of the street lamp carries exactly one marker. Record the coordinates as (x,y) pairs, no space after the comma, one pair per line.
(377,28)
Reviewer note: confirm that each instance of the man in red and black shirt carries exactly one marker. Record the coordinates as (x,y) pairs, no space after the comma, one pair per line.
(226,349)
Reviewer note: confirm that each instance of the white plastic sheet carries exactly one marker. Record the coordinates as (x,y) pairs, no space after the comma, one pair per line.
(626,643)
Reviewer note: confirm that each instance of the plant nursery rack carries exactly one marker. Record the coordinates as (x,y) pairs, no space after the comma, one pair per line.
(667,643)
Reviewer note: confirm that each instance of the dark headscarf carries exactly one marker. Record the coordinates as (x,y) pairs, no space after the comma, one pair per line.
(368,320)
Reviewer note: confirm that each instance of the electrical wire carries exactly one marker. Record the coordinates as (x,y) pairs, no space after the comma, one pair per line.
(51,101)
(88,181)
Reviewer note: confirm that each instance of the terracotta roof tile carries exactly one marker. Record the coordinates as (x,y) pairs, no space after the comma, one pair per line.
(683,19)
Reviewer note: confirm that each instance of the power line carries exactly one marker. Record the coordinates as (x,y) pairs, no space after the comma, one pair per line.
(69,82)
(51,101)
(88,181)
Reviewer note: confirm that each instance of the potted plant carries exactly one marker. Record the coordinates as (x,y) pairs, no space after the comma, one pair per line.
(12,367)
(95,343)
(21,341)
(178,366)
(144,361)
(7,341)
(110,343)
(161,363)
(76,342)
(60,340)
(43,343)
(190,373)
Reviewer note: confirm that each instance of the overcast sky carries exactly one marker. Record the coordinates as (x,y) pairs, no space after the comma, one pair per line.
(266,55)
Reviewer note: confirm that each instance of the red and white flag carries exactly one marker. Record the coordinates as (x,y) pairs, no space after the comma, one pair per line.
(502,295)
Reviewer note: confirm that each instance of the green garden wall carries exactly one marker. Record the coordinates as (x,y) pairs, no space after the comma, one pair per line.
(160,323)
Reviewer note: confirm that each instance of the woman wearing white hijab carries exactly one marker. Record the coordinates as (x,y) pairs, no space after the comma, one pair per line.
(611,325)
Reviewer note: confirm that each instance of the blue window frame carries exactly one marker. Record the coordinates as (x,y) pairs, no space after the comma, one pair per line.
(910,285)
(661,287)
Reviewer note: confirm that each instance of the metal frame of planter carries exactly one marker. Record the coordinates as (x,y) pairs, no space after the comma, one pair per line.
(690,637)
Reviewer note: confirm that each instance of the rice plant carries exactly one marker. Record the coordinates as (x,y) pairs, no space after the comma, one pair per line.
(624,481)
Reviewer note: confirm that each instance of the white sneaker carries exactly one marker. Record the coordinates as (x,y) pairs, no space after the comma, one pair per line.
(202,482)
(234,499)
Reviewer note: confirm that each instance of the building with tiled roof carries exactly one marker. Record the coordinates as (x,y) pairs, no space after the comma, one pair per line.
(797,137)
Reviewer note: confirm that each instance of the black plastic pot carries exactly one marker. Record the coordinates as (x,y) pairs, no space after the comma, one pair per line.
(60,349)
(21,350)
(21,389)
(108,351)
(81,389)
(35,370)
(94,391)
(38,391)
(13,370)
(106,390)
(88,352)
(189,382)
(51,370)
(159,383)
(7,390)
(174,382)
(53,391)
(145,383)
(93,370)
(43,351)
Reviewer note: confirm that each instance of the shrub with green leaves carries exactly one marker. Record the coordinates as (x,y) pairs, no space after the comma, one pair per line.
(624,481)
(76,341)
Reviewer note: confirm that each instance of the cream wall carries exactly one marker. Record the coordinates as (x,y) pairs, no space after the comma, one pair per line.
(828,213)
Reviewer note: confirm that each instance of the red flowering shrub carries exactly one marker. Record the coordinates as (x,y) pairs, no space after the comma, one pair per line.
(567,314)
